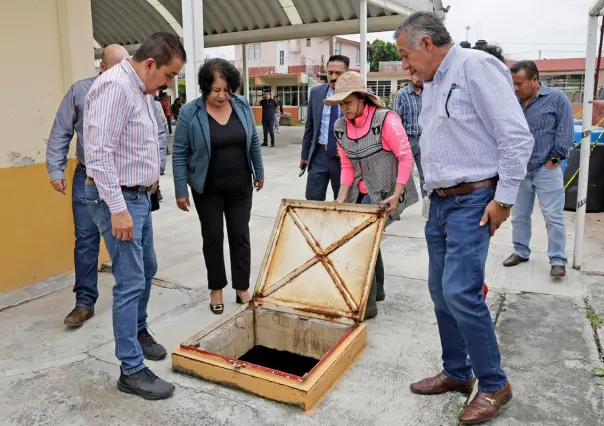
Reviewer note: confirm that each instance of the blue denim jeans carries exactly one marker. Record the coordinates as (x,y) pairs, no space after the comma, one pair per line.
(134,265)
(457,249)
(87,244)
(548,186)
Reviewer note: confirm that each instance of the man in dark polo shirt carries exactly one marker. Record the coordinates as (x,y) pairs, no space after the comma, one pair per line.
(268,105)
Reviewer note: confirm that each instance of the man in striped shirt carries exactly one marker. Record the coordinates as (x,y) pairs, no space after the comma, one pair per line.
(408,104)
(549,114)
(123,166)
(475,146)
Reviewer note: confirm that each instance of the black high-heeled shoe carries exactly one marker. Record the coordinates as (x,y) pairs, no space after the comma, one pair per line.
(217,309)
(238,300)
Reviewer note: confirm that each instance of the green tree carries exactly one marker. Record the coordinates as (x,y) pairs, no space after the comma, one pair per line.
(182,90)
(381,51)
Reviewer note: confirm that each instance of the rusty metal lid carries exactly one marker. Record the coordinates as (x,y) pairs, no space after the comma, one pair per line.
(320,260)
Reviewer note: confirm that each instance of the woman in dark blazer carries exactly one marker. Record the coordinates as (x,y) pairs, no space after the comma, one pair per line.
(217,153)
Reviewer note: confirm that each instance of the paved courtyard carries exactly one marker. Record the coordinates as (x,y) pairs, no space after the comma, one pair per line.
(50,375)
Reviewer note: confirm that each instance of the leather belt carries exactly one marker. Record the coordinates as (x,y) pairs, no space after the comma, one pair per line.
(323,147)
(466,188)
(137,188)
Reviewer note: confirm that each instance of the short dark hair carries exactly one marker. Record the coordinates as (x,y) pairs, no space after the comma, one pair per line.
(529,67)
(340,58)
(491,49)
(162,48)
(221,68)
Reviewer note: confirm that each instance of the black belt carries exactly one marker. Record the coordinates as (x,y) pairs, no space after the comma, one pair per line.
(137,188)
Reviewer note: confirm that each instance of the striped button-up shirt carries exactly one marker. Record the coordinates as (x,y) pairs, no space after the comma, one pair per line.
(120,132)
(473,126)
(70,118)
(408,104)
(550,118)
(326,118)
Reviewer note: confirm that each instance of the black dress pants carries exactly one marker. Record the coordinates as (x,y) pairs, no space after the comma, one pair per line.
(235,205)
(268,126)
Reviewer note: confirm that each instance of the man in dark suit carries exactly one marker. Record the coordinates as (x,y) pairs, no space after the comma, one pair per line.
(319,150)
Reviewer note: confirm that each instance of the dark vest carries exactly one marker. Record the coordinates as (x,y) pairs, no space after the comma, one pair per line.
(377,167)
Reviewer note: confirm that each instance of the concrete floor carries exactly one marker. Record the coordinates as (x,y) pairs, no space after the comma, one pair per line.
(54,376)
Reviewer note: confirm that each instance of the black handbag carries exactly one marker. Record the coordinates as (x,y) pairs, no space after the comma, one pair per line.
(155,200)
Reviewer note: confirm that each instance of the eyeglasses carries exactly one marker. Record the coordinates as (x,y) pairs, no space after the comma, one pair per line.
(453,87)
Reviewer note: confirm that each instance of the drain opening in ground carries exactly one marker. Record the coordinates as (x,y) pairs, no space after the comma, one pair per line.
(284,361)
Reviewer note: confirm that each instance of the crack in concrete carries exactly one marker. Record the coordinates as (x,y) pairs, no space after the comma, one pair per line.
(592,272)
(407,278)
(499,308)
(197,390)
(594,329)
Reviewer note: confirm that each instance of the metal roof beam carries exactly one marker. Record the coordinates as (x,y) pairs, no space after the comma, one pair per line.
(167,16)
(396,6)
(291,11)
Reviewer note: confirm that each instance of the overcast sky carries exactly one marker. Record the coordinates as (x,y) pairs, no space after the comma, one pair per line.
(521,27)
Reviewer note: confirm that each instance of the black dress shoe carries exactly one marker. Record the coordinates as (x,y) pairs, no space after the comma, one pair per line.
(146,384)
(151,349)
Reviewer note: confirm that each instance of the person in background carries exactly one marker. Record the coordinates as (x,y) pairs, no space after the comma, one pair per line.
(550,117)
(475,146)
(123,165)
(217,152)
(176,108)
(70,119)
(165,103)
(269,106)
(372,139)
(319,146)
(278,115)
(408,104)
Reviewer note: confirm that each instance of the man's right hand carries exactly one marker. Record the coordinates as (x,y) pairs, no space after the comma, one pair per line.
(183,203)
(303,162)
(59,185)
(122,226)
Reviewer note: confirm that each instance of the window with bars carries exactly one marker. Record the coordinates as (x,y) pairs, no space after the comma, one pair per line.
(257,93)
(381,88)
(338,48)
(571,85)
(307,42)
(293,95)
(281,57)
(253,51)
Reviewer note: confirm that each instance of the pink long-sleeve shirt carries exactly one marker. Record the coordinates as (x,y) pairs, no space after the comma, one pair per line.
(394,139)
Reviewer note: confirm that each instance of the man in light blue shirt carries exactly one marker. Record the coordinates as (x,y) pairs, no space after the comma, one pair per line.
(319,150)
(475,147)
(69,120)
(549,114)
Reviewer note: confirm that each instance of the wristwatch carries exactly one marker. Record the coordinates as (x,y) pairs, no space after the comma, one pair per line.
(505,206)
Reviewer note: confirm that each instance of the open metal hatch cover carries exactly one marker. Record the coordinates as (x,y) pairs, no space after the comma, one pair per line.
(320,260)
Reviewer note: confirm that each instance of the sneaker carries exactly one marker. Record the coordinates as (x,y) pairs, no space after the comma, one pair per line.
(151,349)
(145,384)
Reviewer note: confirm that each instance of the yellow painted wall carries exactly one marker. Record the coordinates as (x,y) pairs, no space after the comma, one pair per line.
(49,44)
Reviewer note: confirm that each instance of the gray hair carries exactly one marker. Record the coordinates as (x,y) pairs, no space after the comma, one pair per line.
(424,24)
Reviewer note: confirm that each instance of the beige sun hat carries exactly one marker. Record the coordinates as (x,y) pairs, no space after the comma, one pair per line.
(351,82)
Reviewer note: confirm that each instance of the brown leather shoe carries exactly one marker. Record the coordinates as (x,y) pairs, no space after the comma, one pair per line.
(441,384)
(558,271)
(78,316)
(514,260)
(485,406)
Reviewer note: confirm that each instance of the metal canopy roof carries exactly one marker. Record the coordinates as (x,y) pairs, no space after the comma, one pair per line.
(230,22)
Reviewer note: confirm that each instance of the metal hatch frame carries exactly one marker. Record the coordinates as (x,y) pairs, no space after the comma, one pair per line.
(357,307)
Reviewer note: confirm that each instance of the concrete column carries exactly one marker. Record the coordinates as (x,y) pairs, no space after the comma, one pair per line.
(332,46)
(176,87)
(246,73)
(75,23)
(588,96)
(192,18)
(363,31)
